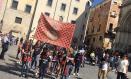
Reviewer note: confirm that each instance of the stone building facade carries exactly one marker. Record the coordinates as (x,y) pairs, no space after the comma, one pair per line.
(15,16)
(103,19)
(71,11)
(123,36)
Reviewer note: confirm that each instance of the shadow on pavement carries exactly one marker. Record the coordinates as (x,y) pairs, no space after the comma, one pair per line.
(15,69)
(12,57)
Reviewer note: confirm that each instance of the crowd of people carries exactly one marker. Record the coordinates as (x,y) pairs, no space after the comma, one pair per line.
(49,59)
(110,61)
(56,61)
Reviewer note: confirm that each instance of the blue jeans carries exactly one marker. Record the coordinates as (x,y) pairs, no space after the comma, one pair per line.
(54,66)
(77,67)
(70,69)
(43,69)
(24,69)
(65,77)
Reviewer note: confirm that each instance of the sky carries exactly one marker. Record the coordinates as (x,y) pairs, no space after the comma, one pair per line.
(96,2)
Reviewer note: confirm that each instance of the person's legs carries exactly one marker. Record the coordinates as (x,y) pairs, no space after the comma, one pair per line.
(33,61)
(75,69)
(27,69)
(104,74)
(17,56)
(118,75)
(22,68)
(70,69)
(4,49)
(41,71)
(78,67)
(99,73)
(123,76)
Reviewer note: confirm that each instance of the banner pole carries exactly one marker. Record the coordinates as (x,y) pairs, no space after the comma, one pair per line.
(31,22)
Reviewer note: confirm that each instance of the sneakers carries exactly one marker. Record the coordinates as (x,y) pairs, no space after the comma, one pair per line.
(78,74)
(74,74)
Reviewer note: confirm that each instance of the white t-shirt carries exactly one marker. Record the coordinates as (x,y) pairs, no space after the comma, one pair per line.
(122,66)
(105,66)
(5,39)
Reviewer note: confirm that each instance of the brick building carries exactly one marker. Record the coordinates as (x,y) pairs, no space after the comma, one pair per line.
(103,19)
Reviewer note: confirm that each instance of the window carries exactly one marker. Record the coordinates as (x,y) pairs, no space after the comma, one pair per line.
(94,39)
(93,29)
(115,2)
(47,14)
(100,38)
(77,0)
(99,28)
(75,11)
(81,37)
(111,27)
(60,18)
(63,7)
(28,8)
(14,4)
(49,3)
(18,20)
(73,22)
(83,27)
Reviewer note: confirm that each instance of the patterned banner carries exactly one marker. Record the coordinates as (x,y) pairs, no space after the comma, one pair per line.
(54,32)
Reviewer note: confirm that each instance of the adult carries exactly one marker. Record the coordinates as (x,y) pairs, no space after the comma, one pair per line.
(36,54)
(16,40)
(77,61)
(122,68)
(104,69)
(19,49)
(26,58)
(44,61)
(5,43)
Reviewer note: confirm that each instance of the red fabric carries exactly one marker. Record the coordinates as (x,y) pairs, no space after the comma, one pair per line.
(64,31)
(27,59)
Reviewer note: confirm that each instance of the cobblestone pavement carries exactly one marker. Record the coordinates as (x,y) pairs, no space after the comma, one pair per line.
(9,69)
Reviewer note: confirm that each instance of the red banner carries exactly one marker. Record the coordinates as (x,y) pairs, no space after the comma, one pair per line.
(54,32)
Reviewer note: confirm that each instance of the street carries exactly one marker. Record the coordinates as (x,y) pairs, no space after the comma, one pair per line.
(9,69)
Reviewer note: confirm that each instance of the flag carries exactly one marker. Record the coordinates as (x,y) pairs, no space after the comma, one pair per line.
(54,32)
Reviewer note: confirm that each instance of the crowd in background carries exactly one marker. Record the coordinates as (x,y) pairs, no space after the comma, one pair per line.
(56,61)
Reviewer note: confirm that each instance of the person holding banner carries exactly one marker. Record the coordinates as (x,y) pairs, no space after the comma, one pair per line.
(44,61)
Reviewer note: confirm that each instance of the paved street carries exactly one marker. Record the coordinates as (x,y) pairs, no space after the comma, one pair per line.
(10,70)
